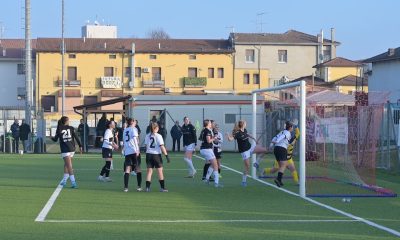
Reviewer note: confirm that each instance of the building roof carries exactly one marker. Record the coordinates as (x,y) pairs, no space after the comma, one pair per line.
(141,45)
(331,98)
(351,80)
(339,62)
(15,48)
(309,81)
(289,37)
(391,54)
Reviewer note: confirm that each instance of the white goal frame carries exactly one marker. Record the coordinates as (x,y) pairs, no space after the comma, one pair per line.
(302,163)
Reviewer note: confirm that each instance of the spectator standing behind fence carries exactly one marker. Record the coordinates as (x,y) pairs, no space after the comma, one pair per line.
(163,132)
(15,135)
(84,138)
(176,134)
(101,125)
(24,131)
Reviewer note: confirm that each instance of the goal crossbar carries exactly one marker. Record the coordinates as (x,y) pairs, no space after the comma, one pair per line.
(302,162)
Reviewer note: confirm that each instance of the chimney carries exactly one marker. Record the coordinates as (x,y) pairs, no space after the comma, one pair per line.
(391,52)
(333,46)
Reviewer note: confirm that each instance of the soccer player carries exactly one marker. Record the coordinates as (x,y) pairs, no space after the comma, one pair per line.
(189,144)
(131,152)
(290,163)
(136,170)
(218,146)
(67,137)
(281,142)
(154,147)
(207,151)
(106,151)
(245,147)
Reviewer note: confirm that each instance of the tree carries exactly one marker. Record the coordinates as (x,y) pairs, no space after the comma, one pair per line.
(157,33)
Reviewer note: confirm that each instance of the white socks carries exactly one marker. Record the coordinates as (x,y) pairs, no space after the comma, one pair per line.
(66,176)
(190,165)
(209,172)
(244,177)
(216,177)
(72,177)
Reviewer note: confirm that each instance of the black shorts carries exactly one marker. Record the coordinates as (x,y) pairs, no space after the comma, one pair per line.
(154,160)
(280,154)
(139,160)
(106,152)
(218,155)
(131,160)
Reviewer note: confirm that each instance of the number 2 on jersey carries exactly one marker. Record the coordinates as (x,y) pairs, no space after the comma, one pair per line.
(152,142)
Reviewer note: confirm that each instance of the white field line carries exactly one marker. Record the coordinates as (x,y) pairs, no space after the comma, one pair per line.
(46,209)
(360,219)
(120,169)
(205,221)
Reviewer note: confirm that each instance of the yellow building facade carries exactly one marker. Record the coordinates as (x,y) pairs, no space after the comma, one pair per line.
(101,69)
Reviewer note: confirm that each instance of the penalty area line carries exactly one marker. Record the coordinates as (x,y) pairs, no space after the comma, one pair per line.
(354,217)
(46,209)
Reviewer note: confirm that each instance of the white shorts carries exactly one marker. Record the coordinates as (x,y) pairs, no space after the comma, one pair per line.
(247,154)
(208,154)
(67,154)
(190,147)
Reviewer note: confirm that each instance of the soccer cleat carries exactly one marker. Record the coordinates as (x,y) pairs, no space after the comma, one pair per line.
(74,185)
(163,190)
(107,179)
(244,184)
(139,189)
(63,183)
(147,189)
(206,181)
(100,179)
(133,173)
(126,190)
(278,183)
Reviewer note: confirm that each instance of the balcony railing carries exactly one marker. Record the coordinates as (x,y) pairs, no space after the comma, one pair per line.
(153,82)
(69,83)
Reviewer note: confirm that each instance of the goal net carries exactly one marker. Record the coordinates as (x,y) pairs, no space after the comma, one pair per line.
(340,137)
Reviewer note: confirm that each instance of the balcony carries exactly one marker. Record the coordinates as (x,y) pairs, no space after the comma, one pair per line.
(69,83)
(194,82)
(153,82)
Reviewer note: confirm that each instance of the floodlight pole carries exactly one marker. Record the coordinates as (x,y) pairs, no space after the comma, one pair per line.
(254,133)
(62,61)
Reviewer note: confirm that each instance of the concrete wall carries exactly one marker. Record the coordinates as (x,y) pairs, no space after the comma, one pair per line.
(10,81)
(386,77)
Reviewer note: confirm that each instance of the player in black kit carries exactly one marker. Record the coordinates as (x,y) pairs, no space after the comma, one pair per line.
(66,135)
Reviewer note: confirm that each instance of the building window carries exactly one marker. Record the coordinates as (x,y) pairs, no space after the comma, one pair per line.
(72,74)
(246,78)
(71,56)
(396,116)
(220,72)
(127,72)
(152,56)
(20,69)
(250,55)
(112,56)
(138,72)
(282,56)
(108,72)
(230,118)
(48,103)
(210,72)
(256,78)
(156,73)
(192,57)
(192,72)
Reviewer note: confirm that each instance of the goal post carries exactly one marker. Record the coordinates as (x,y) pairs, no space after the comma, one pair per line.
(302,143)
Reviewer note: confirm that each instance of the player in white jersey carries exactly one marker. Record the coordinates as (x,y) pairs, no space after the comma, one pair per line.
(281,142)
(154,147)
(107,148)
(131,151)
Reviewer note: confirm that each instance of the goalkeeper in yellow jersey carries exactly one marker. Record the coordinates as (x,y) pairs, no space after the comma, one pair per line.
(290,163)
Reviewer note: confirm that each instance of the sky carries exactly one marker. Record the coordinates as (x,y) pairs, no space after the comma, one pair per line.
(364,27)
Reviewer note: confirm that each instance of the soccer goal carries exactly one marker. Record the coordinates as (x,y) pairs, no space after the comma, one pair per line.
(337,150)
